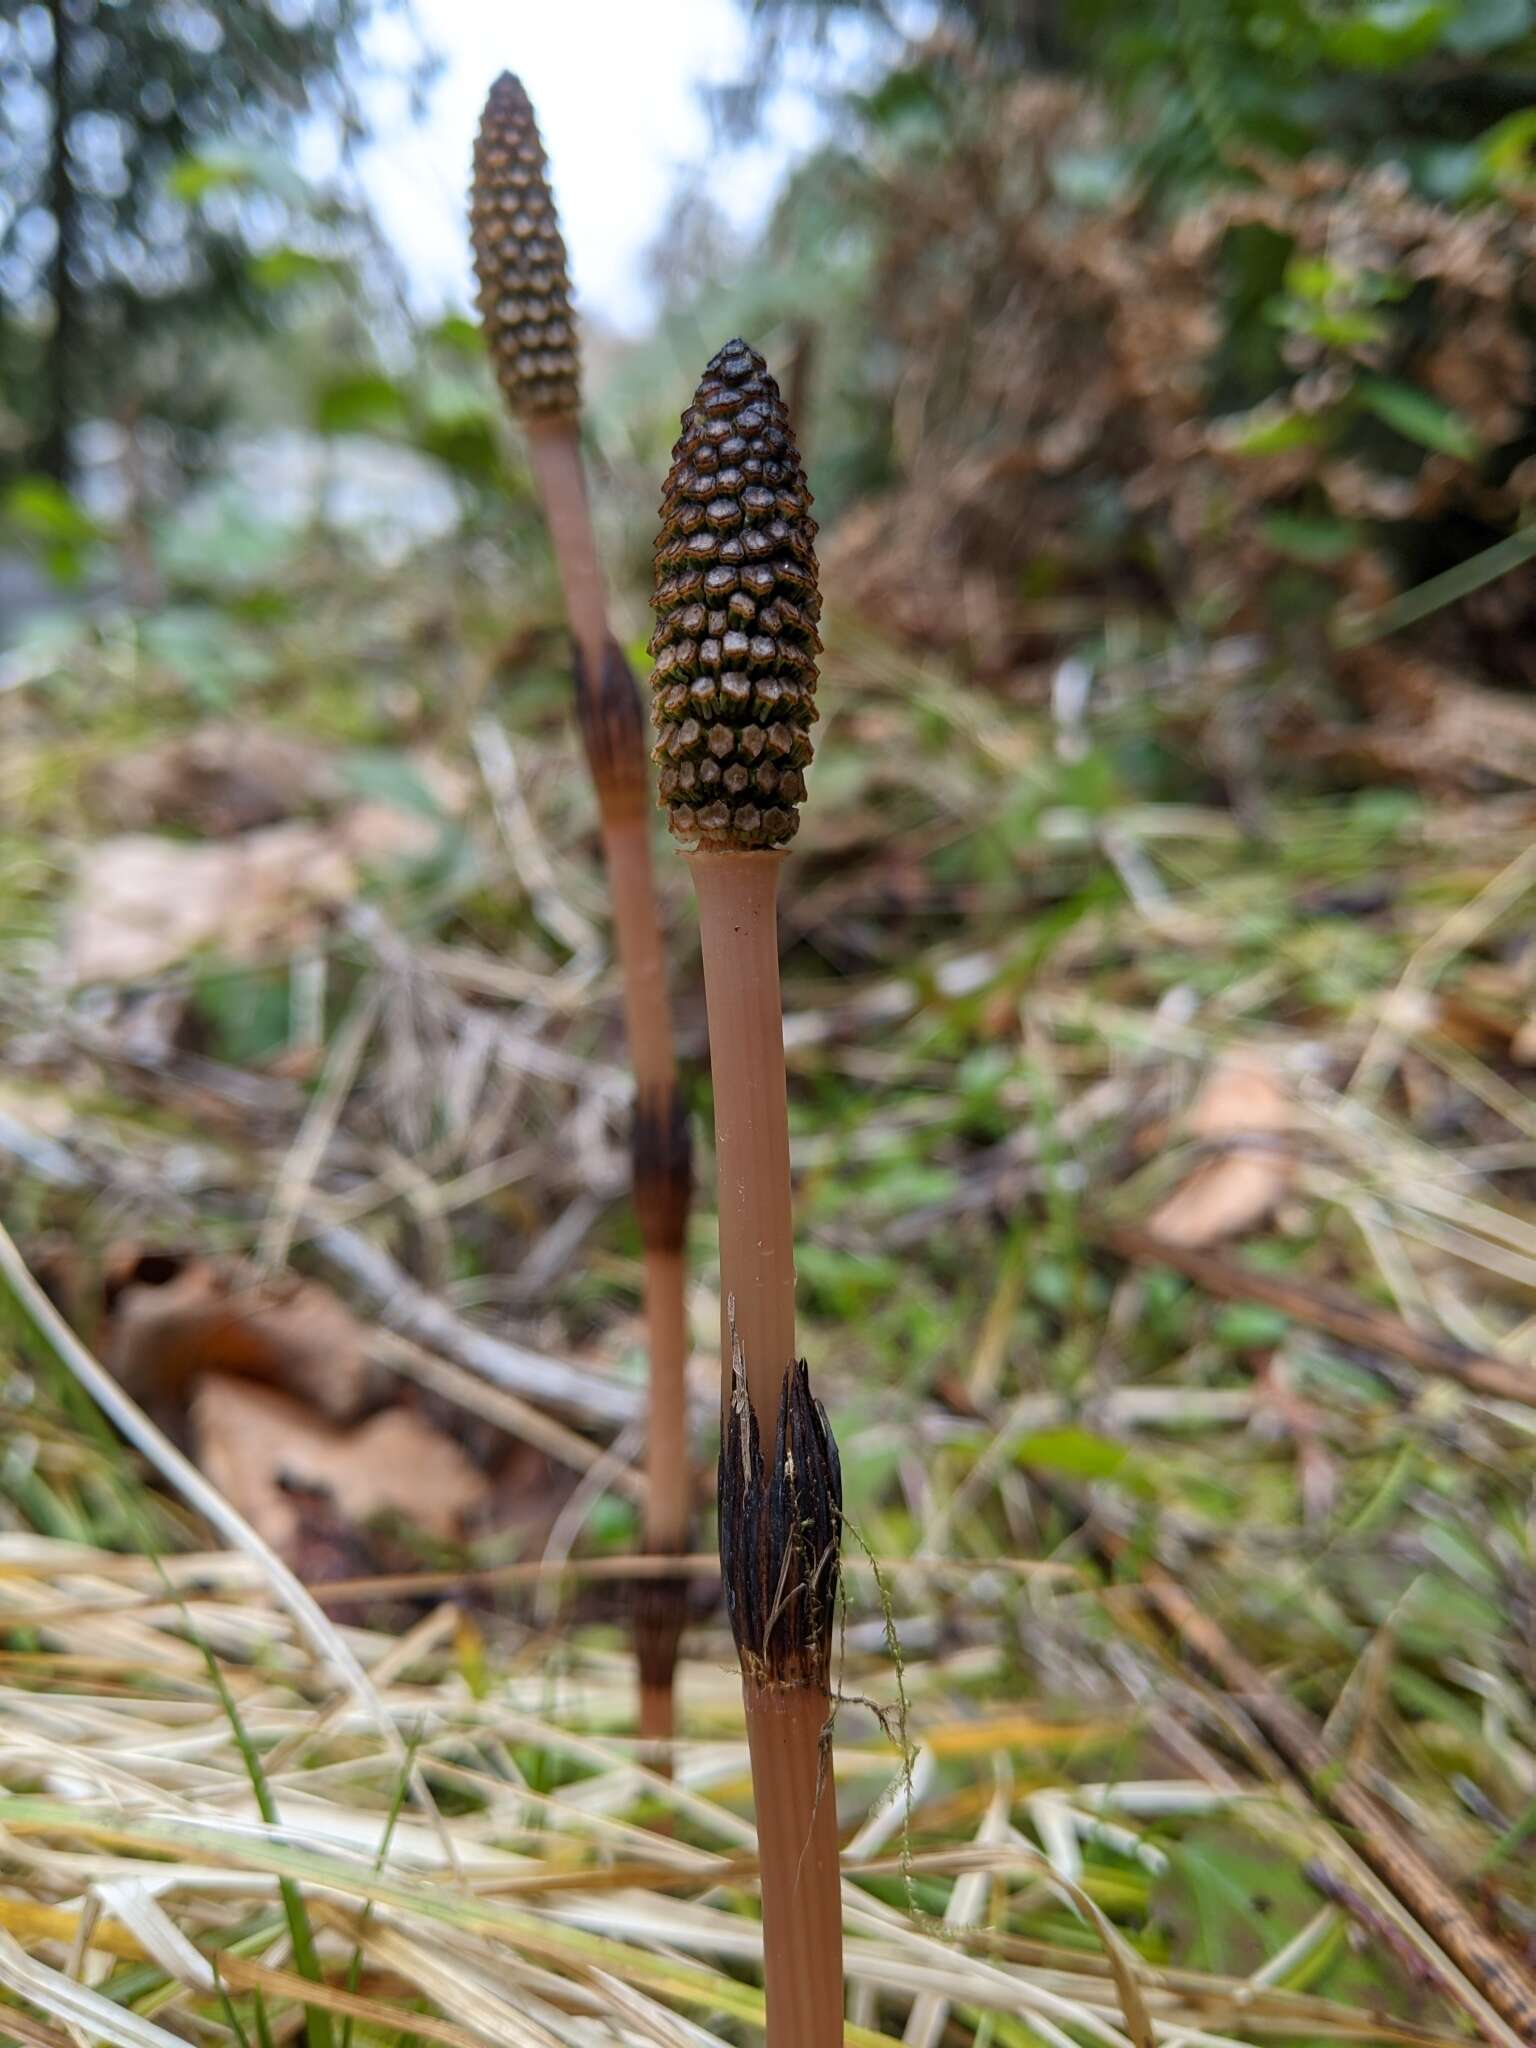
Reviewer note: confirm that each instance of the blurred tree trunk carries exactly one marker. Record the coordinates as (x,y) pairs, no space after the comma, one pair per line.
(54,456)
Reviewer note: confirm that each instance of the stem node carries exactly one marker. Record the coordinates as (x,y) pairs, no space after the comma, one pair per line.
(661,1149)
(780,1532)
(612,723)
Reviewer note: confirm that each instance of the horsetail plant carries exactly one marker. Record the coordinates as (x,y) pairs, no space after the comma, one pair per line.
(525,307)
(733,697)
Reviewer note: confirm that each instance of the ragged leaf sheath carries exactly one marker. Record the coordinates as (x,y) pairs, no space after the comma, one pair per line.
(780,1531)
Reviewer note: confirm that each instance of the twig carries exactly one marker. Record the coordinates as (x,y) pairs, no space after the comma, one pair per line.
(308,1148)
(518,1418)
(1328,1309)
(404,1307)
(498,767)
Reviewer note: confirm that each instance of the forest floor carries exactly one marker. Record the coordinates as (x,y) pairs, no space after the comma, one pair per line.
(1166,1200)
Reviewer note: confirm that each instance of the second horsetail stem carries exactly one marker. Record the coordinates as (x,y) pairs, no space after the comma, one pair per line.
(530,331)
(530,334)
(733,697)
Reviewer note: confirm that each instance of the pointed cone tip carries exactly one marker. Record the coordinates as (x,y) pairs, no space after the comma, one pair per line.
(737,355)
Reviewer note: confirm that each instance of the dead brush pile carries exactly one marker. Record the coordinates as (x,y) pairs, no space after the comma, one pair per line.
(1257,417)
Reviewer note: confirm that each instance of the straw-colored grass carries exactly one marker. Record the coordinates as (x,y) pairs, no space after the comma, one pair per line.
(541,1903)
(1008,973)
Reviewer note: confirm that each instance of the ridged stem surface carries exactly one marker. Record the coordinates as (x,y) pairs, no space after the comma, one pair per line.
(554,448)
(797,1844)
(638,938)
(739,933)
(791,1777)
(555,452)
(648,1024)
(666,1450)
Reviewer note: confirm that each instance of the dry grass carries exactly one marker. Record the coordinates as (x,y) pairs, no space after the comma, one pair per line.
(535,1903)
(1018,947)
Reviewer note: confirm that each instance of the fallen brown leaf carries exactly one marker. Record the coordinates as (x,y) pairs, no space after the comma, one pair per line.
(143,904)
(273,1458)
(172,1318)
(1242,1184)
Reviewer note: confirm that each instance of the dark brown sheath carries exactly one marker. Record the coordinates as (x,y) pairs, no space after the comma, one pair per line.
(780,1531)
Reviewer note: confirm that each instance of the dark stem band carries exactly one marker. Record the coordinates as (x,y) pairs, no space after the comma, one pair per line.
(659,1609)
(612,723)
(662,1153)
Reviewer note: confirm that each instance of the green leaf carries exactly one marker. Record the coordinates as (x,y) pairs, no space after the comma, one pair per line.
(456,332)
(49,521)
(388,777)
(1316,538)
(212,657)
(910,97)
(845,1284)
(1229,1902)
(278,270)
(193,178)
(1507,148)
(246,1015)
(1079,1454)
(1384,35)
(1418,417)
(1336,326)
(43,510)
(1247,1326)
(362,402)
(1271,429)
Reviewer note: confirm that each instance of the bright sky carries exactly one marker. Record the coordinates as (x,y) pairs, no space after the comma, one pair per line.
(616,86)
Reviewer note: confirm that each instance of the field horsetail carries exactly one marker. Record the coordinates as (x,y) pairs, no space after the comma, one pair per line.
(733,698)
(530,331)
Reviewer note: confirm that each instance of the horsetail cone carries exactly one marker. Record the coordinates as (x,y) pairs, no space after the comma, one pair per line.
(525,288)
(733,690)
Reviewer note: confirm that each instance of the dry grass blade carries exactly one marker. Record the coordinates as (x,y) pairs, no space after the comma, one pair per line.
(73,2004)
